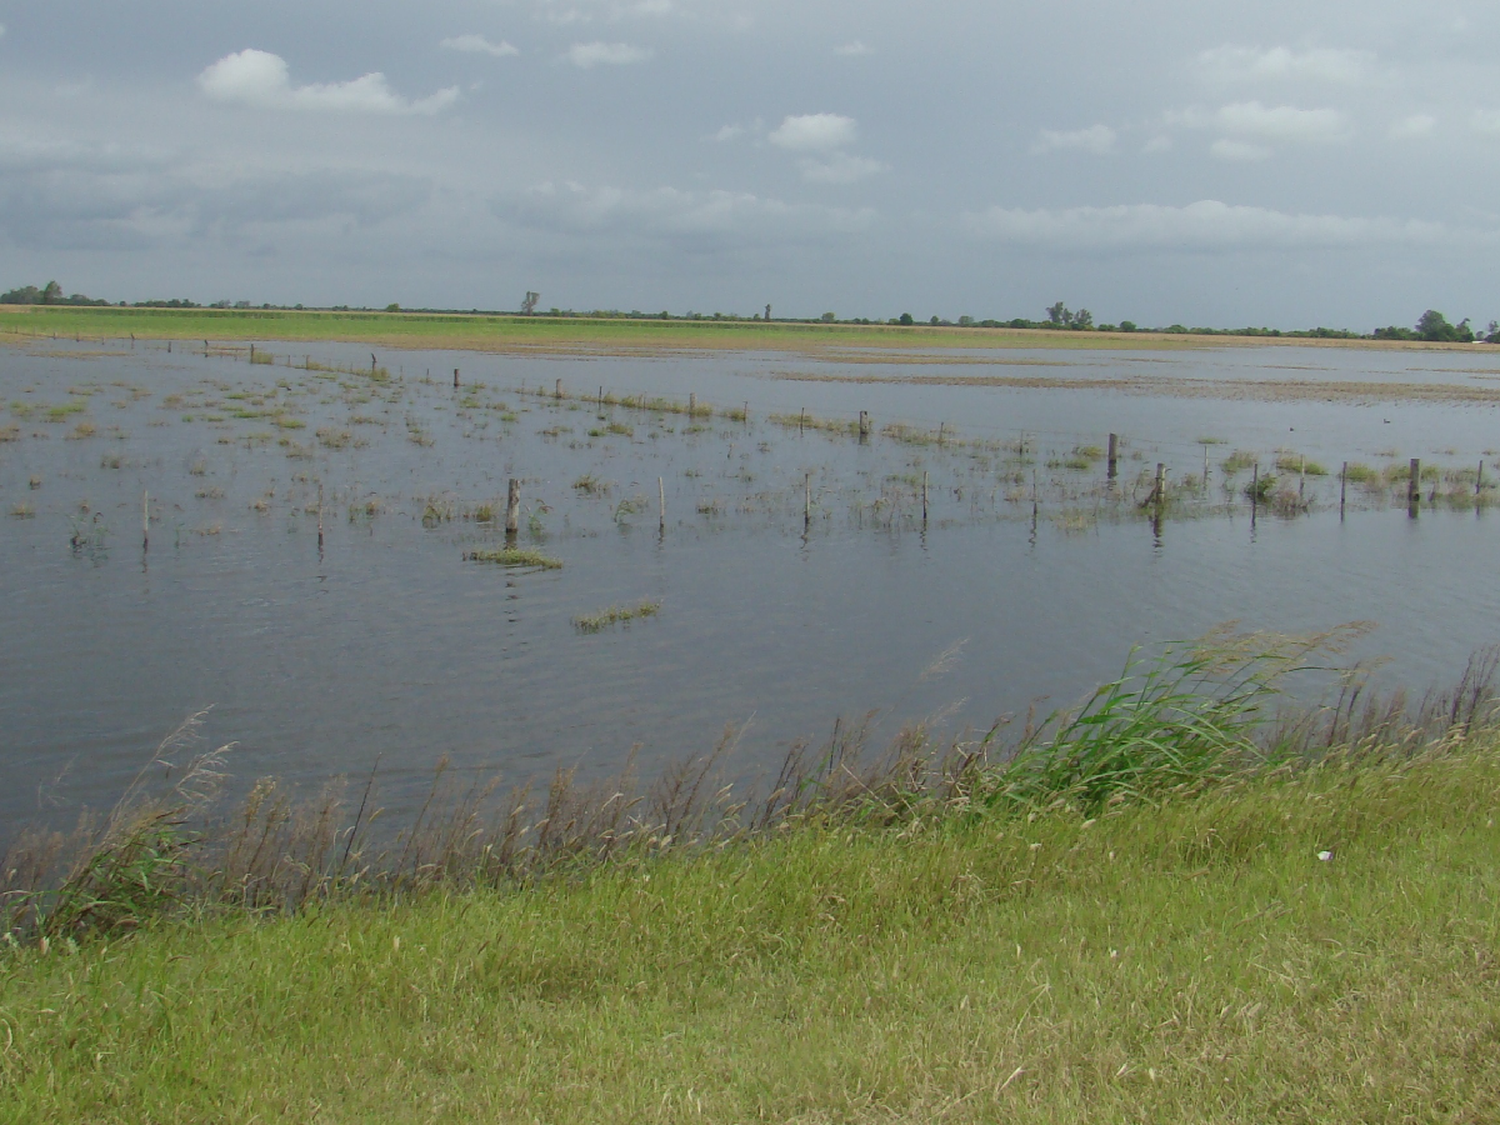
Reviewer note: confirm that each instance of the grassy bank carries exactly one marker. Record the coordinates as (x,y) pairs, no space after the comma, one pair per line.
(1164,905)
(1188,960)
(551,335)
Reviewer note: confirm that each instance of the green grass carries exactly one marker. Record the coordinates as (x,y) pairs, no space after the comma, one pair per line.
(1168,905)
(504,332)
(1192,960)
(514,556)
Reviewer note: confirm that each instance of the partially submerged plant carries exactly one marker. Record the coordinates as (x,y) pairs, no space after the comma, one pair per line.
(513,556)
(600,620)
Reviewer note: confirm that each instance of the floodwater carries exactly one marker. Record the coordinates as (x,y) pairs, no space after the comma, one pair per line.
(798,582)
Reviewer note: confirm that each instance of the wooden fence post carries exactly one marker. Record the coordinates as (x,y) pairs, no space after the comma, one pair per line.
(513,508)
(1114,455)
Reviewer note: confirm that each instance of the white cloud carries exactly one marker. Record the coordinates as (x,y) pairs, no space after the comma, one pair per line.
(259,78)
(853,49)
(840,168)
(1225,149)
(668,213)
(1246,64)
(644,8)
(67,194)
(1280,123)
(1250,127)
(1413,127)
(815,132)
(1098,139)
(729,133)
(1205,225)
(479,45)
(585,56)
(1486,121)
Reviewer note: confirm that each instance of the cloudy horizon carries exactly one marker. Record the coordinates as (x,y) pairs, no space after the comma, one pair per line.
(1291,166)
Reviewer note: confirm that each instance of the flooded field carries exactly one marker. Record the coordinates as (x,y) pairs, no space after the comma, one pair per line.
(705,539)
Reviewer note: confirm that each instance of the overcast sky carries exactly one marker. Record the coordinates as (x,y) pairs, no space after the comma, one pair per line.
(1289,164)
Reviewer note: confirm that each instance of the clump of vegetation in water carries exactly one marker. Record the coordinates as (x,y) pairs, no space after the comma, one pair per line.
(1237,462)
(1296,463)
(602,619)
(1261,488)
(514,556)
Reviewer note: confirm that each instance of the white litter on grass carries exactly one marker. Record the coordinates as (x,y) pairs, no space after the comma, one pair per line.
(1325,856)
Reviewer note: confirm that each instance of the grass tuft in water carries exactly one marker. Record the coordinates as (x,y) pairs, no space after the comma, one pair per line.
(514,556)
(1237,462)
(1288,462)
(602,619)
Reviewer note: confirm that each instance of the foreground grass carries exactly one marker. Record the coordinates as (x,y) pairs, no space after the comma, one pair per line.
(1188,960)
(517,334)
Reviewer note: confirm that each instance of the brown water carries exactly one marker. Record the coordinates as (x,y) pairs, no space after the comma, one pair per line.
(1030,580)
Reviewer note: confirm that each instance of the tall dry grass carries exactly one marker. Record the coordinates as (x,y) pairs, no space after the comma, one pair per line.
(1197,715)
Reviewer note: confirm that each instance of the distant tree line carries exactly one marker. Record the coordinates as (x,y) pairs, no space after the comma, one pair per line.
(49,294)
(1434,326)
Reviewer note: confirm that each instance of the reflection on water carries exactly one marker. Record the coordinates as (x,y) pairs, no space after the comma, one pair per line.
(797,578)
